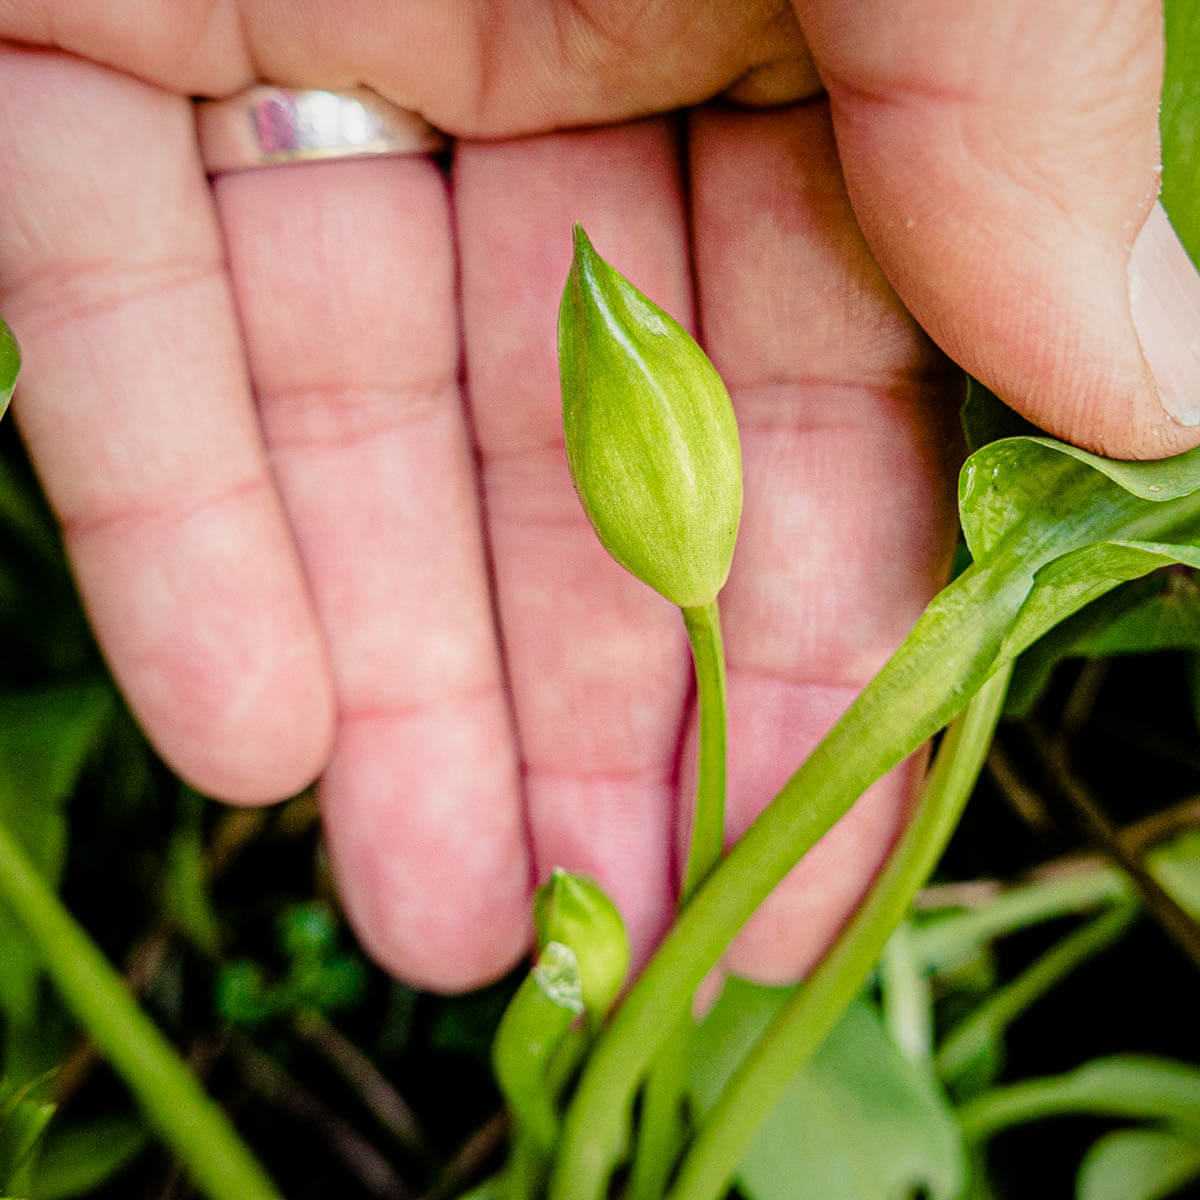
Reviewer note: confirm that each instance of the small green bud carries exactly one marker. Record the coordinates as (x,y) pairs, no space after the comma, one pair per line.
(574,910)
(651,438)
(10,364)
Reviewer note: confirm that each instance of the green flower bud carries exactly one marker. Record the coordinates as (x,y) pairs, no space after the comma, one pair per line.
(10,364)
(573,910)
(651,438)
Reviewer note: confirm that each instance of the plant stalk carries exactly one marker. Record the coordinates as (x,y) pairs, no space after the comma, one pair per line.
(660,1132)
(197,1129)
(708,824)
(944,660)
(970,1036)
(799,1029)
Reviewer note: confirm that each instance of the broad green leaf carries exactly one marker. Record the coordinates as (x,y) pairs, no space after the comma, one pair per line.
(859,1122)
(10,364)
(1048,495)
(1180,122)
(46,738)
(1165,616)
(79,1158)
(1138,1164)
(1069,583)
(1051,528)
(1144,616)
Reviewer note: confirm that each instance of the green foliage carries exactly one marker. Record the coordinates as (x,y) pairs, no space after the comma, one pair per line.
(318,975)
(859,1122)
(1138,1164)
(1158,612)
(1126,1086)
(77,1159)
(46,740)
(10,364)
(24,1116)
(1180,122)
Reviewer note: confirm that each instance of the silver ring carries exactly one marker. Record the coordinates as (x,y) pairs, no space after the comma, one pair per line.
(265,126)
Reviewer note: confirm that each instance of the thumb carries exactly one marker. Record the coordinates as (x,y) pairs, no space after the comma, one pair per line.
(1003,162)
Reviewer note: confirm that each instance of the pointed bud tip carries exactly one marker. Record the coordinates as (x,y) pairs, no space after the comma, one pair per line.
(574,910)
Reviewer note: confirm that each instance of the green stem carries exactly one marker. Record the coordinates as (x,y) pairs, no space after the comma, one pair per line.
(660,1130)
(661,1126)
(949,654)
(945,941)
(708,824)
(941,942)
(971,1035)
(966,633)
(1131,1087)
(532,1029)
(197,1129)
(905,996)
(800,1028)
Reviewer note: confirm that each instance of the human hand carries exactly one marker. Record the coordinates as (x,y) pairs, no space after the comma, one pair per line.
(246,408)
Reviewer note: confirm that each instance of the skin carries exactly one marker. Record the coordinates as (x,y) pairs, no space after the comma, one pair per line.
(301,427)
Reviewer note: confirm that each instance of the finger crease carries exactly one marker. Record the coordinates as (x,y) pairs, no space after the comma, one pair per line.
(142,511)
(57,295)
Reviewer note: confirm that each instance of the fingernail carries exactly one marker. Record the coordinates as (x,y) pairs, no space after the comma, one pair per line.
(1164,295)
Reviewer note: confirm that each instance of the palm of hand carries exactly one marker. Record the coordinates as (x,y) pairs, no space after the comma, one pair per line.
(310,542)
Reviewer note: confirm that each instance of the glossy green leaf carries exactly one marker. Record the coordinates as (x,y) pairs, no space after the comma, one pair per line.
(79,1158)
(10,364)
(1180,122)
(860,1121)
(1073,581)
(1138,1164)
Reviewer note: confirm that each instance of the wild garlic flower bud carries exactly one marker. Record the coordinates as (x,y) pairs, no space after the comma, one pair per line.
(651,438)
(573,910)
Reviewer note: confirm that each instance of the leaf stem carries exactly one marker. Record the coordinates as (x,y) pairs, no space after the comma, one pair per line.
(1122,1086)
(970,1036)
(800,1028)
(945,940)
(198,1130)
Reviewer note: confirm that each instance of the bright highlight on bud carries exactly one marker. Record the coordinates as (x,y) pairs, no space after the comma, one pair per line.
(573,910)
(651,438)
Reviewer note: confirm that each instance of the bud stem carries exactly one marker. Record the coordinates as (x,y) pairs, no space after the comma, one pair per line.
(708,821)
(661,1130)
